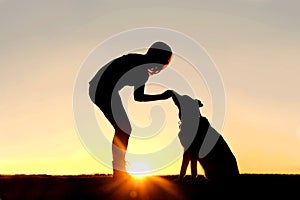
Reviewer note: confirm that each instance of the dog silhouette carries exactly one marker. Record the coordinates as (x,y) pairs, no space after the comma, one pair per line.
(202,143)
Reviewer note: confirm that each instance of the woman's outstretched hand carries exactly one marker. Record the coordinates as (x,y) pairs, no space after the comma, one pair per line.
(168,93)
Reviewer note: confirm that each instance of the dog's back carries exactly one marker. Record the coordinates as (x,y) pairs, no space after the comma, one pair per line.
(220,162)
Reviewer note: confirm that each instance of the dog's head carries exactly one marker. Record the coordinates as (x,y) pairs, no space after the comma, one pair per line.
(186,101)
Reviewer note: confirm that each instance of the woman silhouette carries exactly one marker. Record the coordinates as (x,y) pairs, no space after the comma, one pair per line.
(127,70)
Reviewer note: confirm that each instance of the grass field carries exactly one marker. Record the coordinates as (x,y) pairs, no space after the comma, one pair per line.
(248,186)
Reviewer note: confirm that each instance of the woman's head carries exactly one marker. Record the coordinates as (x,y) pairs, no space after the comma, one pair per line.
(160,54)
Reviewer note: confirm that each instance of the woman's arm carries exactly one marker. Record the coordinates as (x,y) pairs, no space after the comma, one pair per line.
(139,95)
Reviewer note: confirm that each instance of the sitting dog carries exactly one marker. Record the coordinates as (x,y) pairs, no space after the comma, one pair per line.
(202,143)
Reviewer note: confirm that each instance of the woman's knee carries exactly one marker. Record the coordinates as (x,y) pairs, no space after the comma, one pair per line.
(124,127)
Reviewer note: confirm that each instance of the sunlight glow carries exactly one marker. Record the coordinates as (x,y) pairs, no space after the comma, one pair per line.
(139,169)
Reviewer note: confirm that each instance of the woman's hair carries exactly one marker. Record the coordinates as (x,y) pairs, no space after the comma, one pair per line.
(159,52)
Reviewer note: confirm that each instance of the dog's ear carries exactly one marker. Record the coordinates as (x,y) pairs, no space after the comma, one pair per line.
(199,103)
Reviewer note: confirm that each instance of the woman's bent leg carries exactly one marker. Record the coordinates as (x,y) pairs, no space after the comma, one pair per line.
(118,118)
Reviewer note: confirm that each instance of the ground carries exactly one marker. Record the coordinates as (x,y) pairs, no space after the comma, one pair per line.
(100,186)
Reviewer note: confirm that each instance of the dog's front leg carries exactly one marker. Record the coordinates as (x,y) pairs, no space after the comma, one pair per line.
(194,172)
(184,165)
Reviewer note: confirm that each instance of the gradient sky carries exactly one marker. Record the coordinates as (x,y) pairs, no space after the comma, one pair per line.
(255,45)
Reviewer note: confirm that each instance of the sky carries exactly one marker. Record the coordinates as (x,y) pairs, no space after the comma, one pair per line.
(254,45)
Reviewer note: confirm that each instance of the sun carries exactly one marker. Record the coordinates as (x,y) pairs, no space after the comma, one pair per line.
(139,169)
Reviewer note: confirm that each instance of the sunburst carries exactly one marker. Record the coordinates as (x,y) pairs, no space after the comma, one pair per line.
(139,169)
